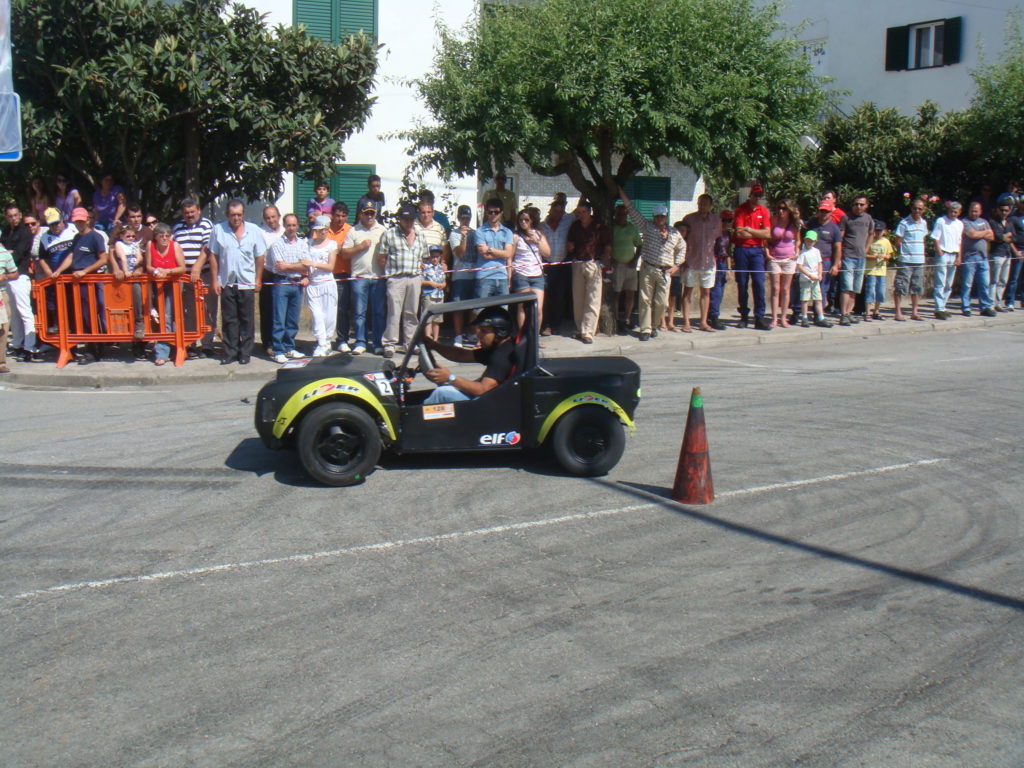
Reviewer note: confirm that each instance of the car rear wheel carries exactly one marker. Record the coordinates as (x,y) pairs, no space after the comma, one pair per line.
(338,444)
(588,441)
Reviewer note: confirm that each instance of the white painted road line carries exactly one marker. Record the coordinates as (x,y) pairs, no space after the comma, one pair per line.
(829,478)
(725,360)
(385,546)
(91,391)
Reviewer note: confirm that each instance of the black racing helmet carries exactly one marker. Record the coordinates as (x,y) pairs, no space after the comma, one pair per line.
(497,318)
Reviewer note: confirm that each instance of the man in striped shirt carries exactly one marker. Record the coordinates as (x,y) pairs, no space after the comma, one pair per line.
(192,233)
(402,253)
(661,257)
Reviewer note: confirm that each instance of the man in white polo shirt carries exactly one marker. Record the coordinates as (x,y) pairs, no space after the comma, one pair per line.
(947,235)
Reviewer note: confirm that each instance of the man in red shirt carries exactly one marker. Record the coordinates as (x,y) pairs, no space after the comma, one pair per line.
(752,227)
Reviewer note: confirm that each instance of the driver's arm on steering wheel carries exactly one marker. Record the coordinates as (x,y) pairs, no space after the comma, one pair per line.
(468,387)
(456,354)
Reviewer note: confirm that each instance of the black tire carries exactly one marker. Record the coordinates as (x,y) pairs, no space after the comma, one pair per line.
(588,441)
(338,444)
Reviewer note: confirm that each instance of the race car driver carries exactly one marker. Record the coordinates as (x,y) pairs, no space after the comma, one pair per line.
(494,331)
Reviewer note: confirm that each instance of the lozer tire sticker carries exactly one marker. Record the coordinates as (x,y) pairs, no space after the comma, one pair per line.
(584,398)
(309,394)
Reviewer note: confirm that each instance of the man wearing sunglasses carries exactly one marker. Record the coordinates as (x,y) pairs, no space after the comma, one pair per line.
(494,248)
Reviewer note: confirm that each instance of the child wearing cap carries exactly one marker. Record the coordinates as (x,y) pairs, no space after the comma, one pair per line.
(433,289)
(321,293)
(808,265)
(879,253)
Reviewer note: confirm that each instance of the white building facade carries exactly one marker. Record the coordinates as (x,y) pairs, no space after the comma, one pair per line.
(407,36)
(406,33)
(903,53)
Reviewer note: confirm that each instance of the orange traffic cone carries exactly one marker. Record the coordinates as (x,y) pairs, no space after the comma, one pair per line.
(693,475)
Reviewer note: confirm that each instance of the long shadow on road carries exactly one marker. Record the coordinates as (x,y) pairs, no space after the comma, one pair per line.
(659,496)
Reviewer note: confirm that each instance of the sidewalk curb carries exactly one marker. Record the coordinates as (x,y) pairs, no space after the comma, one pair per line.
(47,376)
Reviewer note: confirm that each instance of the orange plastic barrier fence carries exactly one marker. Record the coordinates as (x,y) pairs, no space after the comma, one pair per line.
(101,309)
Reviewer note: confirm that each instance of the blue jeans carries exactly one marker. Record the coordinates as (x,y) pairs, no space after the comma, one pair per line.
(1012,285)
(718,289)
(874,289)
(378,310)
(975,265)
(750,269)
(491,286)
(344,304)
(360,298)
(942,279)
(162,349)
(851,274)
(446,393)
(287,303)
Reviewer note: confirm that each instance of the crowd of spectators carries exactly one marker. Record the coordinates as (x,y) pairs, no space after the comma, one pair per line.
(366,284)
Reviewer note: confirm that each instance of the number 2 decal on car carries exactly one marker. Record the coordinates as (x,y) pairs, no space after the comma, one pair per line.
(382,382)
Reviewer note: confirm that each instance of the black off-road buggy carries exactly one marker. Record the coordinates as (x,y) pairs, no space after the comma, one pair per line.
(340,412)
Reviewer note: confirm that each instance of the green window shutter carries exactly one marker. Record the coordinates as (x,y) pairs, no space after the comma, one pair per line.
(349,184)
(304,189)
(335,20)
(316,15)
(897,48)
(953,34)
(354,16)
(649,191)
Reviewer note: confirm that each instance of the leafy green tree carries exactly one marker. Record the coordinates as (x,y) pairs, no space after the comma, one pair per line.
(882,153)
(602,90)
(996,114)
(198,97)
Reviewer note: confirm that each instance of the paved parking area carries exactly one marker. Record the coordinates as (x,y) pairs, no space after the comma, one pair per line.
(174,594)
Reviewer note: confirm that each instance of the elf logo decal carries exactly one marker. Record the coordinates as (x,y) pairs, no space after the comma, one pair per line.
(501,438)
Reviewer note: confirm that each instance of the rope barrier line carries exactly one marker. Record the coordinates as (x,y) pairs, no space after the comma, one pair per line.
(355,278)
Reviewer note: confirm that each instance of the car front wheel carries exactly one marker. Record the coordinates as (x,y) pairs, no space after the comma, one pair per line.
(338,444)
(588,441)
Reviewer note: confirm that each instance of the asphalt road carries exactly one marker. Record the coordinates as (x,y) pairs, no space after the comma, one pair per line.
(173,594)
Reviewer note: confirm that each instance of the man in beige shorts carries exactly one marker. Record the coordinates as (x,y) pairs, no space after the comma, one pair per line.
(704,229)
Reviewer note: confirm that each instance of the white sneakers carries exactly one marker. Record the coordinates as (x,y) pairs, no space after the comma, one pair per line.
(358,349)
(294,354)
(319,352)
(280,359)
(344,347)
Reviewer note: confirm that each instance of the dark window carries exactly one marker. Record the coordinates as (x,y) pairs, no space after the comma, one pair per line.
(921,46)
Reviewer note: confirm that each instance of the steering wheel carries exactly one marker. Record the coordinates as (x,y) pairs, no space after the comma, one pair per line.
(427,361)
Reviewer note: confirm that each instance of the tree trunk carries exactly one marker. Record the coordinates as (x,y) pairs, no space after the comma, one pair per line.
(192,158)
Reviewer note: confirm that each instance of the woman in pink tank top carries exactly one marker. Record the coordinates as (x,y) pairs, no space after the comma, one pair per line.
(781,252)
